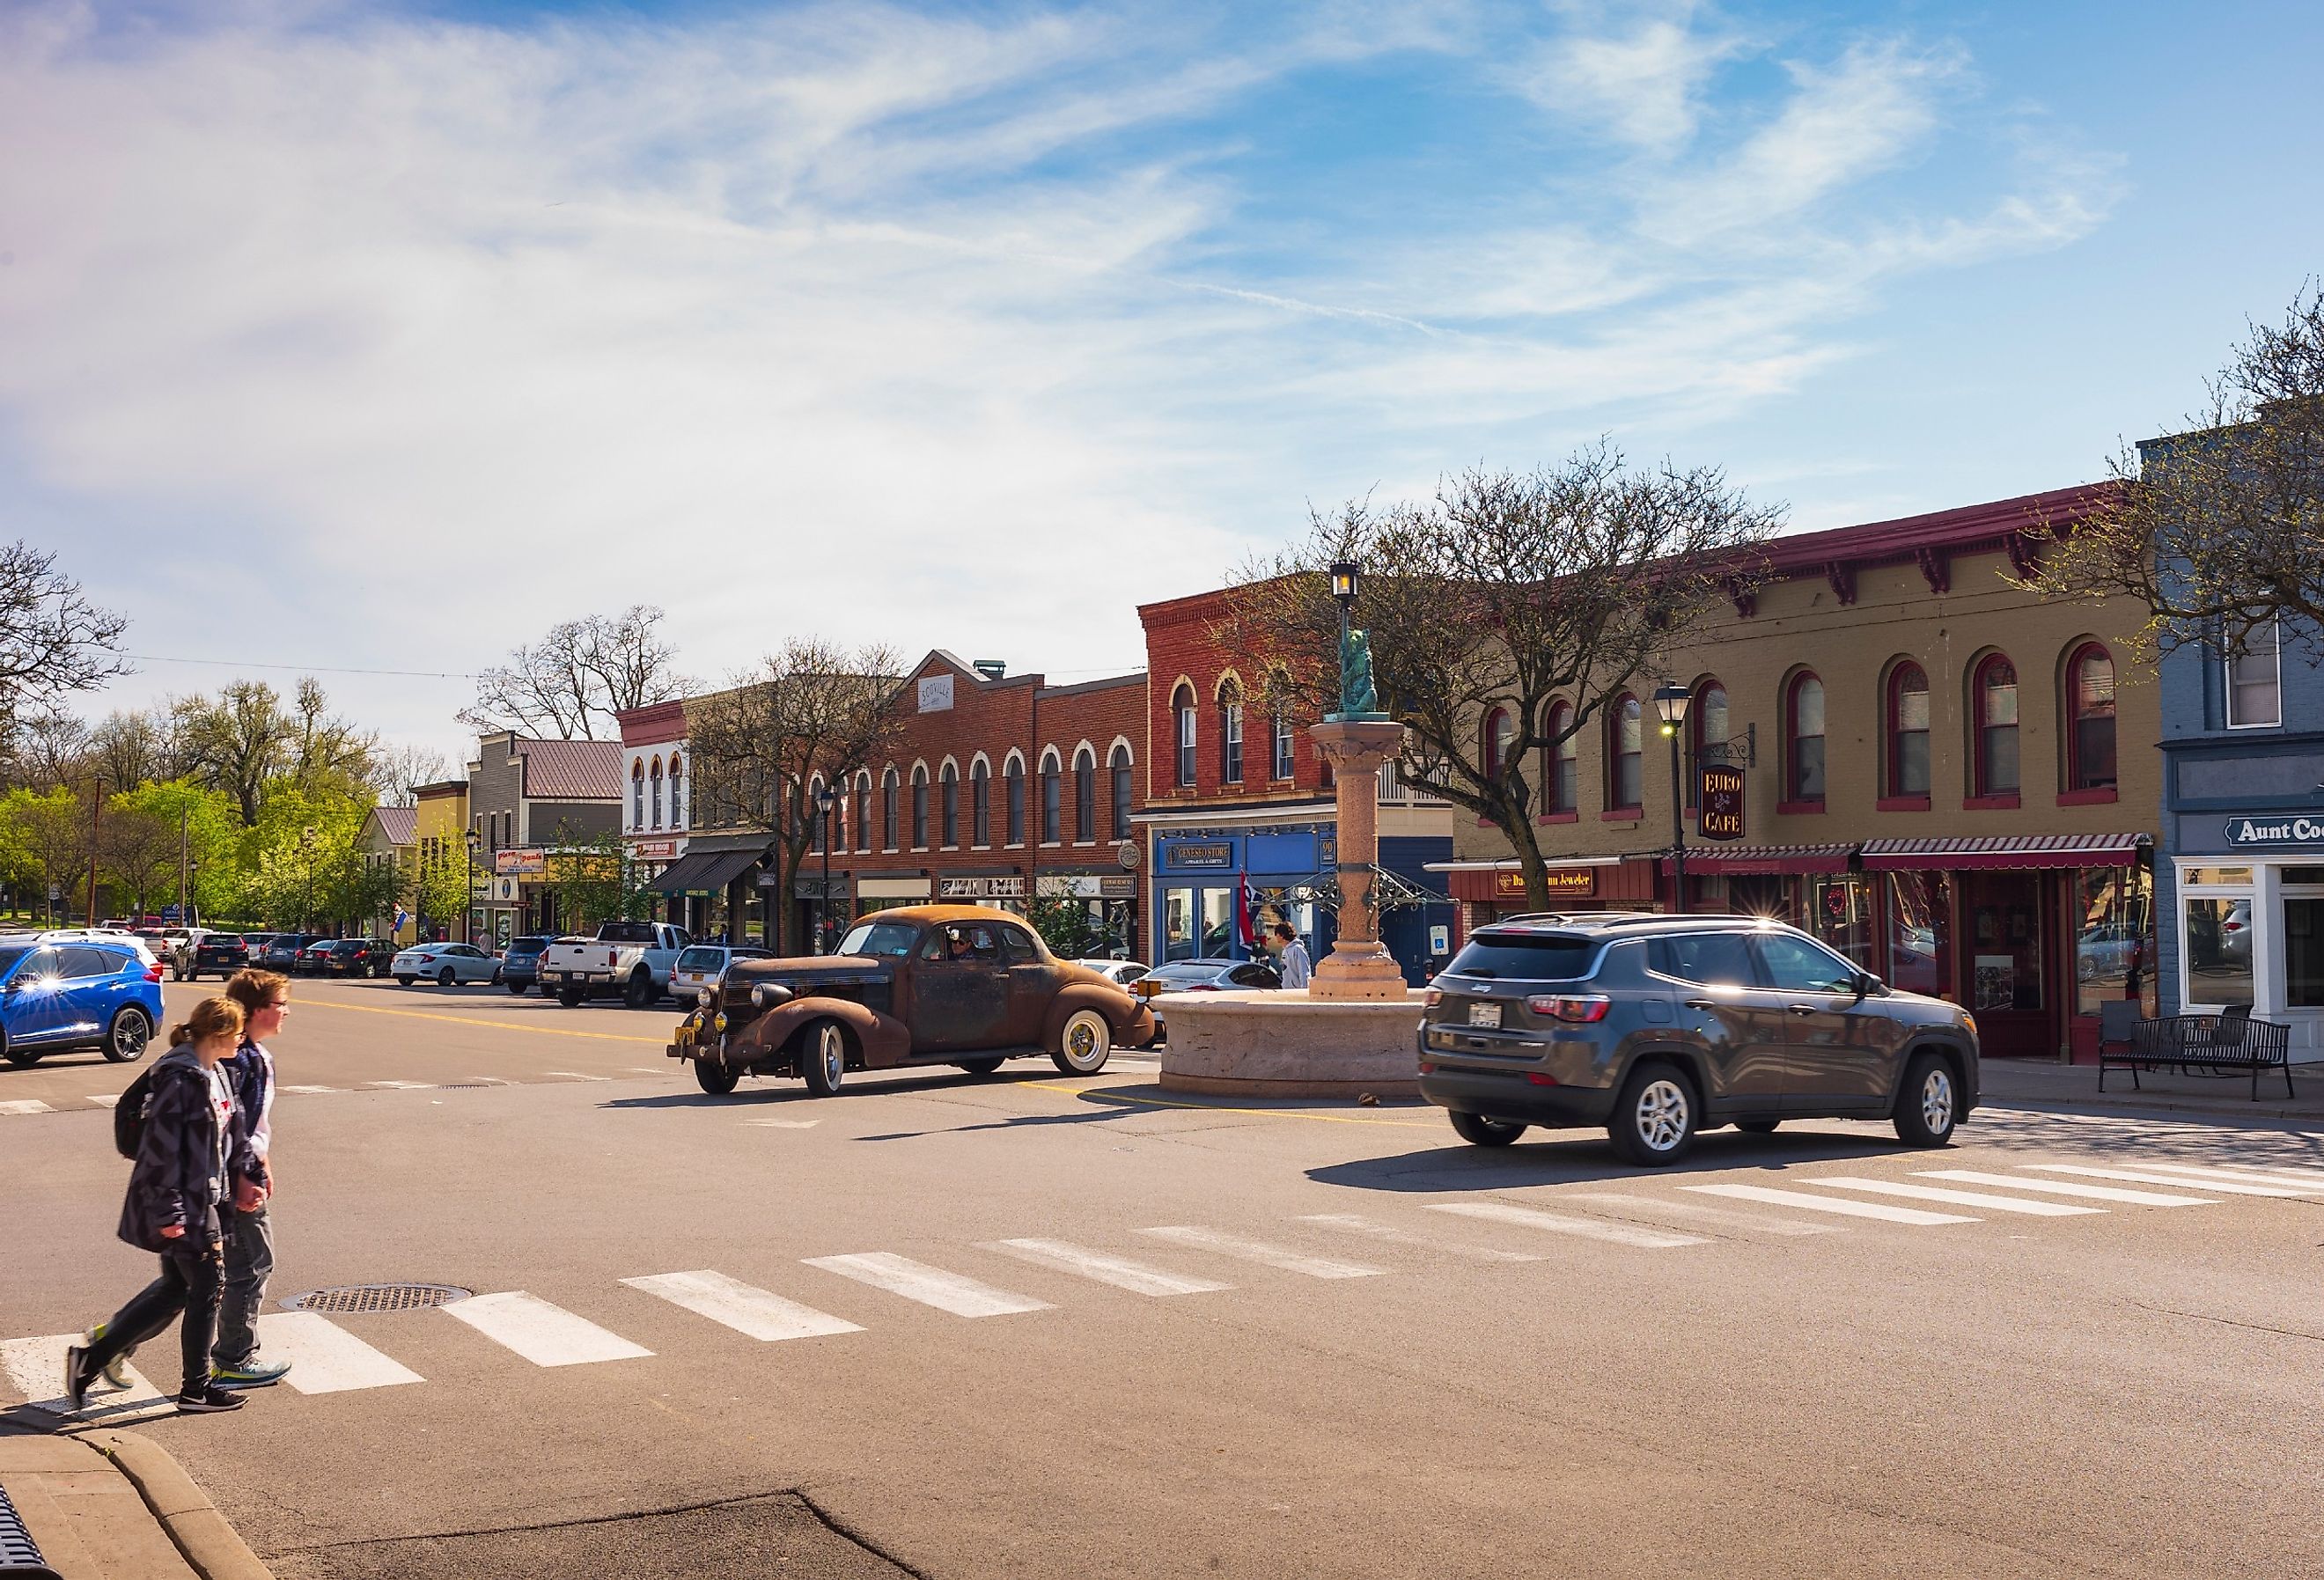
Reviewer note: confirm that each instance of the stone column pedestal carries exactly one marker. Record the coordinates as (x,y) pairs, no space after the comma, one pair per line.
(1358,968)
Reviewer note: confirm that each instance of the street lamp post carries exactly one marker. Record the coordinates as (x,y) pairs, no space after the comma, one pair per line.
(1347,576)
(306,876)
(468,902)
(825,800)
(1671,700)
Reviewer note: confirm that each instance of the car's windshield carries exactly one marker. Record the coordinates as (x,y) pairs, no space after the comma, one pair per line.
(889,939)
(1528,956)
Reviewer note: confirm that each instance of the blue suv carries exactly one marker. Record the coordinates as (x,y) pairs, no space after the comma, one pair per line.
(61,993)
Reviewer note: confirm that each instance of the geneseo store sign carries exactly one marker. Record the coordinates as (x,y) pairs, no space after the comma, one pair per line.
(1561,881)
(2303,830)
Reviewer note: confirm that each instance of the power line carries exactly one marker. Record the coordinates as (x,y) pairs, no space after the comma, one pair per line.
(302,668)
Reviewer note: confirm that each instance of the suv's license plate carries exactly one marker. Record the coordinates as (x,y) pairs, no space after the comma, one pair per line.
(1484,1014)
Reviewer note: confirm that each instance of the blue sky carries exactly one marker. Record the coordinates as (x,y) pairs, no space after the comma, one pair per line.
(381,337)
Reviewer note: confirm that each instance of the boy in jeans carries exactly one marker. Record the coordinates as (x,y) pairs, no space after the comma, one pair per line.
(265,1000)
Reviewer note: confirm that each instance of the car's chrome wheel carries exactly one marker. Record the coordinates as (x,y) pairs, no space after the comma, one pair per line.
(1084,1044)
(826,1064)
(125,1038)
(1929,1105)
(1654,1118)
(1662,1115)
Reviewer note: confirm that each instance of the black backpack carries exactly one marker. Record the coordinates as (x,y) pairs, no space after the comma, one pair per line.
(129,1113)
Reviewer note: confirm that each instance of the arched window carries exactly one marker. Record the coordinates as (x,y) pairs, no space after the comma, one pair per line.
(1561,784)
(1624,755)
(1995,693)
(1182,711)
(678,792)
(1086,795)
(637,795)
(2089,703)
(657,792)
(863,811)
(888,783)
(1803,741)
(919,806)
(1117,764)
(1230,735)
(1015,772)
(1282,756)
(1050,795)
(948,804)
(980,802)
(1706,733)
(1500,729)
(818,836)
(1908,730)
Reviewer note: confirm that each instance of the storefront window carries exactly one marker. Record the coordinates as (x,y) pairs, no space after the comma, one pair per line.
(1919,932)
(1178,924)
(2114,937)
(2003,911)
(1908,731)
(1218,923)
(2217,937)
(1841,914)
(2303,951)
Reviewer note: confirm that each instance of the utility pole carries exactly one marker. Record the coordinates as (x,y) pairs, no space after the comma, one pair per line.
(96,804)
(184,812)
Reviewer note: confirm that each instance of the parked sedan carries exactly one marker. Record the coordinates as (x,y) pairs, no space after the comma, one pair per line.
(315,959)
(445,963)
(68,994)
(520,963)
(1120,973)
(357,957)
(282,950)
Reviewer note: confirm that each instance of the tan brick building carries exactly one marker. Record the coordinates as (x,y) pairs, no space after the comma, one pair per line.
(1951,780)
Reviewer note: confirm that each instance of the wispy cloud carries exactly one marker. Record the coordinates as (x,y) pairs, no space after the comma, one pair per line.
(1640,83)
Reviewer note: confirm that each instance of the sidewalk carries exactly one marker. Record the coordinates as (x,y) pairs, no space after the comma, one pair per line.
(2012,1082)
(115,1506)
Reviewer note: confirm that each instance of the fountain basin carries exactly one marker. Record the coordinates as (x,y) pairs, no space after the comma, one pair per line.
(1285,1044)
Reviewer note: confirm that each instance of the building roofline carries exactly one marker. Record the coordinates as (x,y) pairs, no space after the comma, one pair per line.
(1135,678)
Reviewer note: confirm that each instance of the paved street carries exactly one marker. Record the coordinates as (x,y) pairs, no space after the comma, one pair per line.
(1042,1327)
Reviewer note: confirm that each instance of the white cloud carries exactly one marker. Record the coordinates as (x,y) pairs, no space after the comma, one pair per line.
(1640,86)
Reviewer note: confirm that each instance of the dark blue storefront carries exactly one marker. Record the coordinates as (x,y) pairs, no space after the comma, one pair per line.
(1198,875)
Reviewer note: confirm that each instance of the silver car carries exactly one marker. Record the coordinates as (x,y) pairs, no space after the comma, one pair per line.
(445,963)
(1120,973)
(701,967)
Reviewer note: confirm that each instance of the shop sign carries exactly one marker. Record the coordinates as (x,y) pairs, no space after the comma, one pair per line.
(1327,850)
(1009,888)
(654,850)
(1561,881)
(1192,853)
(1721,801)
(2301,830)
(935,694)
(524,861)
(1086,886)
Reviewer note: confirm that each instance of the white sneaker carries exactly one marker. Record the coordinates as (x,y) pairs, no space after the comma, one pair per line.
(117,1370)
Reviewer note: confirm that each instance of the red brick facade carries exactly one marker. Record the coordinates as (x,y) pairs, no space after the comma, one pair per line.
(1186,663)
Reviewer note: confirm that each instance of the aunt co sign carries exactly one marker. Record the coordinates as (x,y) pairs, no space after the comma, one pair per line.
(2301,830)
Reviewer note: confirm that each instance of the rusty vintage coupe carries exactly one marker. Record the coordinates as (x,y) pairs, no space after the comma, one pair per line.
(930,985)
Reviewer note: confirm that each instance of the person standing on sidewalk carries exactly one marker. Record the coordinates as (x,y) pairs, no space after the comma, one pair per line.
(1291,957)
(265,1000)
(187,1157)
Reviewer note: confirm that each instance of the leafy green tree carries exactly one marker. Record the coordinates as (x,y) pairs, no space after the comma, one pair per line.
(44,841)
(595,880)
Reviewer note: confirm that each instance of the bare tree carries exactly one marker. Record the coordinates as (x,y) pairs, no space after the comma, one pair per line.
(811,710)
(237,740)
(571,683)
(133,745)
(326,750)
(52,640)
(2218,531)
(138,848)
(49,749)
(396,771)
(1505,592)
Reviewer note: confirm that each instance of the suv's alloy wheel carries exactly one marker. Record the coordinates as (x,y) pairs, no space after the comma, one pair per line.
(1653,1119)
(125,1038)
(1928,1106)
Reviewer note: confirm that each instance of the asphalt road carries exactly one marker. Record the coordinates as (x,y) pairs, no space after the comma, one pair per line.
(1660,1379)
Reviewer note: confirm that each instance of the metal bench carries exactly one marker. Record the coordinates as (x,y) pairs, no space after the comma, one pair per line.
(2231,1042)
(20,1557)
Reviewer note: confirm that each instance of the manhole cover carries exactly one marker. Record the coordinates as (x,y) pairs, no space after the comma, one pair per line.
(361,1298)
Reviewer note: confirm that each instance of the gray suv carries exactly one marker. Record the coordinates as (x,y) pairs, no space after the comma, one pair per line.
(1658,1026)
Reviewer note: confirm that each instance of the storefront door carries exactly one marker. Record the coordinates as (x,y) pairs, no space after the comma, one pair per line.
(2006,970)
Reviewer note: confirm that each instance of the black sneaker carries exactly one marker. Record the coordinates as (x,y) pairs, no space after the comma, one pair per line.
(209,1401)
(77,1376)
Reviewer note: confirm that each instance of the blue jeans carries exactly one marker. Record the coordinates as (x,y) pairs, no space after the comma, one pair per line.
(249,1258)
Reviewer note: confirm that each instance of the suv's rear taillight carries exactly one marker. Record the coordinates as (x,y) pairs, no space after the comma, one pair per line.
(153,972)
(1579,1007)
(1434,998)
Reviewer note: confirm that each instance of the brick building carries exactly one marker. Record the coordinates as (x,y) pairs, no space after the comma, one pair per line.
(1930,778)
(1240,808)
(526,799)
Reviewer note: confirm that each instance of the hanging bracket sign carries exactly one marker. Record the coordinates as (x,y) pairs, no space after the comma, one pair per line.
(1721,801)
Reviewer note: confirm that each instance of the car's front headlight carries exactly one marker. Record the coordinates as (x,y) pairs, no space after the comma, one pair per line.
(705,998)
(718,1024)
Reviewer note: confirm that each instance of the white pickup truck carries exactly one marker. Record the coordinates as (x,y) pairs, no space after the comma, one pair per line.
(632,958)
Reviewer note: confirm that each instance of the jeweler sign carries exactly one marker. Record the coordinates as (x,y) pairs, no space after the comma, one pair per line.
(1721,801)
(2276,830)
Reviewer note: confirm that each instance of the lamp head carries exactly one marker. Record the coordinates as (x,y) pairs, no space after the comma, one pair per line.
(1347,576)
(1671,700)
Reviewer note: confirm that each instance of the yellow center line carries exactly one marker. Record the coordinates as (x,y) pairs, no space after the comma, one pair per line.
(1096,1094)
(473,1021)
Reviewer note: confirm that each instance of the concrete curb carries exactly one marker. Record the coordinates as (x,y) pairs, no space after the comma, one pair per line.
(210,1546)
(2108,1108)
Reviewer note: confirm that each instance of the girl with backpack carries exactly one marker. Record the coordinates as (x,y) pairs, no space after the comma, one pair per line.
(190,1151)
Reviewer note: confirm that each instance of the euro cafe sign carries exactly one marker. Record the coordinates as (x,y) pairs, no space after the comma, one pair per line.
(2276,830)
(1561,881)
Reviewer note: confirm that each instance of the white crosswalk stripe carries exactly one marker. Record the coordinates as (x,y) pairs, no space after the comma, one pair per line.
(2290,1179)
(317,1091)
(739,1306)
(1960,1198)
(575,1075)
(325,1358)
(2114,1193)
(104,1099)
(1697,1212)
(399,1085)
(930,1286)
(1117,1271)
(543,1333)
(2149,1177)
(1562,1224)
(1819,1204)
(1261,1252)
(36,1366)
(1355,1225)
(23,1105)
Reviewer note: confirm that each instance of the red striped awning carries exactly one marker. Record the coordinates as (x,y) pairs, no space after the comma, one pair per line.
(1748,860)
(2007,850)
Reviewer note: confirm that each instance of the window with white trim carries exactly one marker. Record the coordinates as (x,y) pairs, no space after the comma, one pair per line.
(2256,681)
